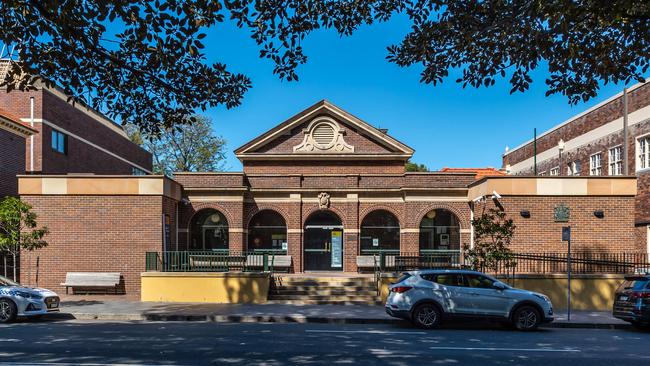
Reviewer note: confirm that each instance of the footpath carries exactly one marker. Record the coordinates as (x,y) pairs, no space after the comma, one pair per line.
(133,310)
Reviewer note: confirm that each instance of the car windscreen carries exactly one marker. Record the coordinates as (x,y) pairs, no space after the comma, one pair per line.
(635,284)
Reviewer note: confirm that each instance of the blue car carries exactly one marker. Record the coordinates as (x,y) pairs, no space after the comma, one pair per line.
(16,300)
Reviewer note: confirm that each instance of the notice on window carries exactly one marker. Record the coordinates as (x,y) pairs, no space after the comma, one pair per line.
(375,242)
(337,249)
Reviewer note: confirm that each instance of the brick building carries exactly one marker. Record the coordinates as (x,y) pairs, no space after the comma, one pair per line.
(324,188)
(72,138)
(12,152)
(592,144)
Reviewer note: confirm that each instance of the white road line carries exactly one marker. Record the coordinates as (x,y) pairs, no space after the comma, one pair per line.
(360,331)
(504,349)
(71,364)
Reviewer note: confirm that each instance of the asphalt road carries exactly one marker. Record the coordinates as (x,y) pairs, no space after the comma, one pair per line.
(187,343)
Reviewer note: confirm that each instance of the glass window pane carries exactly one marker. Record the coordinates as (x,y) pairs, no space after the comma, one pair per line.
(209,231)
(267,230)
(439,230)
(380,232)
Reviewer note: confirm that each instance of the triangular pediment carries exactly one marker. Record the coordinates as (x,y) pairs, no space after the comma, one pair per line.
(324,131)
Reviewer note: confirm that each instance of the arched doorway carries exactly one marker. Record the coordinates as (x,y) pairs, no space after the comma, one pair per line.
(323,249)
(380,233)
(267,233)
(209,231)
(439,232)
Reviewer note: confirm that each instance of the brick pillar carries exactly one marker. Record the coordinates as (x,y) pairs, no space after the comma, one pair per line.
(237,234)
(410,242)
(351,233)
(295,232)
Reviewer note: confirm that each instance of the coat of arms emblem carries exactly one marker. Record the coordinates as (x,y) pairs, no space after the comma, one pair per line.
(323,200)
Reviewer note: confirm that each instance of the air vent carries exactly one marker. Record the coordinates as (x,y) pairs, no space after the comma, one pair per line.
(323,134)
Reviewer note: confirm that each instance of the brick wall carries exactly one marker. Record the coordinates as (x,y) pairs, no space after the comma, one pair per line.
(81,157)
(540,233)
(12,162)
(611,111)
(95,234)
(324,167)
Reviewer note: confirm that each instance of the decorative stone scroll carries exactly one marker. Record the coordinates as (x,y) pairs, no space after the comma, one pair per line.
(323,135)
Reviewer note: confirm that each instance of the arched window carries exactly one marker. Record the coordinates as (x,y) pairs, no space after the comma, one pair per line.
(267,232)
(439,230)
(379,233)
(209,231)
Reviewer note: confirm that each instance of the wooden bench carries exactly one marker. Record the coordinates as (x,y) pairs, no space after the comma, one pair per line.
(92,279)
(369,261)
(275,261)
(210,262)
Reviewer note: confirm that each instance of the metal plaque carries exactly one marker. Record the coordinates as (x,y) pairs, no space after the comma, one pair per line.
(562,213)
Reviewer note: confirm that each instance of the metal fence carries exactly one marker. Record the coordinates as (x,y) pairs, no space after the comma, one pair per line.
(528,263)
(7,266)
(214,261)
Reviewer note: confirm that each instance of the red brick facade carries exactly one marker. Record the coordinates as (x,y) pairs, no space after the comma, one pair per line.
(12,162)
(94,143)
(595,132)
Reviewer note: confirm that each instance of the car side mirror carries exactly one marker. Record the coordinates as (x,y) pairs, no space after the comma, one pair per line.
(499,286)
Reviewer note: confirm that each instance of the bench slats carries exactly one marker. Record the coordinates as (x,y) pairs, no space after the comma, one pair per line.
(91,279)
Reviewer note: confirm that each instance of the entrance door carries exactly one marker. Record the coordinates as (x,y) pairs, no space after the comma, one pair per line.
(323,247)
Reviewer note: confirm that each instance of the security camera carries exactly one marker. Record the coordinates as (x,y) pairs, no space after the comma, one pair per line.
(495,195)
(478,199)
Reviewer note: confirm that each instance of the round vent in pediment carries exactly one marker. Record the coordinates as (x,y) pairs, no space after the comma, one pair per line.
(324,134)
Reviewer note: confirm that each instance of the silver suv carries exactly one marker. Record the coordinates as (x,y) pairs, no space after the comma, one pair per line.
(425,297)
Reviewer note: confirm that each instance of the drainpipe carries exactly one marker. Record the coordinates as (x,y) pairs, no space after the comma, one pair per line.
(31,138)
(471,227)
(625,134)
(535,151)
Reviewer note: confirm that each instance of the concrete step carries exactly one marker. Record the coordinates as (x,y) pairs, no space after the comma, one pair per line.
(326,302)
(325,283)
(327,288)
(322,292)
(324,297)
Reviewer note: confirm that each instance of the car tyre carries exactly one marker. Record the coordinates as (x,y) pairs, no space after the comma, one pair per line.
(8,311)
(526,318)
(427,316)
(641,325)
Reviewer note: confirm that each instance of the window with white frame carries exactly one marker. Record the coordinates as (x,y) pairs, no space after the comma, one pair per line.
(596,164)
(642,152)
(555,171)
(616,160)
(542,173)
(573,168)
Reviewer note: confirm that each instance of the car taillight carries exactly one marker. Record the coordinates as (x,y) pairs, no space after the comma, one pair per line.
(640,295)
(400,289)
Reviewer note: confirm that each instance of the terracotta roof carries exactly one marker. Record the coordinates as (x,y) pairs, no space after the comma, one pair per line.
(480,172)
(13,119)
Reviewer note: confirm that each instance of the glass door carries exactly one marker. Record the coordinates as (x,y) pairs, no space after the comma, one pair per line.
(323,248)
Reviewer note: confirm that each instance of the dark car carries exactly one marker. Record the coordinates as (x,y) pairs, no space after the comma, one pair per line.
(632,300)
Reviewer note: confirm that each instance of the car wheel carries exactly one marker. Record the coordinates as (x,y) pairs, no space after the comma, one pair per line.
(526,318)
(8,311)
(426,316)
(641,325)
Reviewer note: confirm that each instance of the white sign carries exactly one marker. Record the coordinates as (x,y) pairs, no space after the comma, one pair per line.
(284,246)
(375,242)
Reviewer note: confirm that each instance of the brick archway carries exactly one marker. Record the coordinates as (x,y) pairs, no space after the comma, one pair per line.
(462,219)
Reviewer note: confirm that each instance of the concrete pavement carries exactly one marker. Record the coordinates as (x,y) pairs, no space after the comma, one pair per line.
(121,310)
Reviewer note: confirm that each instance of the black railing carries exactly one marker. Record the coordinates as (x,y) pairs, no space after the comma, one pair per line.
(214,261)
(7,265)
(524,263)
(581,262)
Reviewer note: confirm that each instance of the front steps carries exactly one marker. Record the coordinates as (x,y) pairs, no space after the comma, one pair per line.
(332,290)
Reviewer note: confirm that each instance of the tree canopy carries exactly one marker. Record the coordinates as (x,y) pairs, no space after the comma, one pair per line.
(415,167)
(192,147)
(152,70)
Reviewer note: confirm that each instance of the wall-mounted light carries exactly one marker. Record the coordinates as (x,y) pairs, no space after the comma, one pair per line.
(525,214)
(599,214)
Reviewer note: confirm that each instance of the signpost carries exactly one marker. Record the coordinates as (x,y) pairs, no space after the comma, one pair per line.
(566,236)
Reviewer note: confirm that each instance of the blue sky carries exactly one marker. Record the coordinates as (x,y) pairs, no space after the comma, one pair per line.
(448,126)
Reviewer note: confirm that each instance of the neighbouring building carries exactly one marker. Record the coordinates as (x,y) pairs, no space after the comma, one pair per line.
(71,138)
(592,144)
(324,189)
(13,133)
